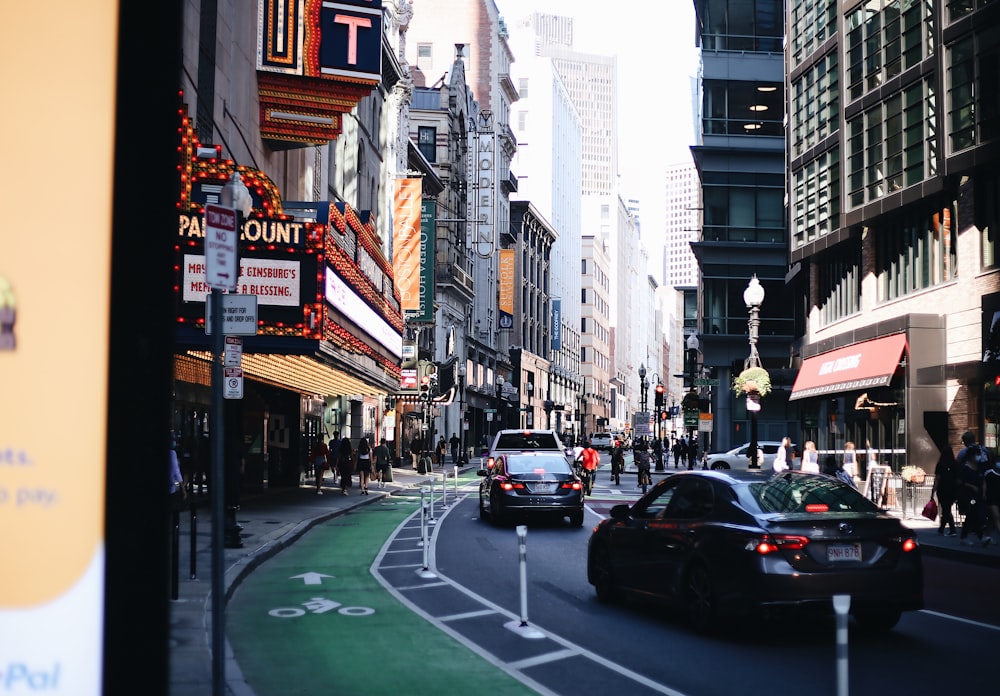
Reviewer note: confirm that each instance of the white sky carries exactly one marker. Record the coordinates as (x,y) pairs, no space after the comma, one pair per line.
(654,42)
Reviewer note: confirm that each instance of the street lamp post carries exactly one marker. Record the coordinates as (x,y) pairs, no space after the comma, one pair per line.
(461,414)
(753,297)
(643,386)
(657,427)
(692,345)
(499,382)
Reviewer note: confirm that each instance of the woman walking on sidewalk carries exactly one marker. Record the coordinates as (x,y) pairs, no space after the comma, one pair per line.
(382,468)
(945,488)
(345,463)
(364,464)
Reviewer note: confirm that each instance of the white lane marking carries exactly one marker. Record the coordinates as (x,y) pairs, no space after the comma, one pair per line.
(571,649)
(959,619)
(542,659)
(407,588)
(467,615)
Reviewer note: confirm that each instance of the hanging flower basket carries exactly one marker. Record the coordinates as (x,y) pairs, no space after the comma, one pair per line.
(753,380)
(913,474)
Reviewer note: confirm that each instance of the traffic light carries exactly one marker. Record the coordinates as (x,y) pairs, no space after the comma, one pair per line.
(659,396)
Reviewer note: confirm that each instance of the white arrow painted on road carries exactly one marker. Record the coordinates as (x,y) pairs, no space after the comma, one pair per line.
(312,578)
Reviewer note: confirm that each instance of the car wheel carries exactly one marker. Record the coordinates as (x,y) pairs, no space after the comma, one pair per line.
(716,466)
(576,518)
(877,619)
(700,599)
(601,573)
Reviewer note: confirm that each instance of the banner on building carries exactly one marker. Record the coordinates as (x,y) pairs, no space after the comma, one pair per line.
(425,308)
(556,324)
(484,178)
(506,280)
(406,243)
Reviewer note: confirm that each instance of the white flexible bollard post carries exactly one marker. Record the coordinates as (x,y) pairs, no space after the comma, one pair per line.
(444,489)
(522,547)
(456,482)
(842,605)
(431,519)
(423,515)
(424,541)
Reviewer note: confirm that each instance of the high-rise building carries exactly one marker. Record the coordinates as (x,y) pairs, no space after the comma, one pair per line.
(683,215)
(741,163)
(893,189)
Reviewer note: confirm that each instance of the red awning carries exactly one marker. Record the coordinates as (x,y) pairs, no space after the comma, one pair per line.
(861,366)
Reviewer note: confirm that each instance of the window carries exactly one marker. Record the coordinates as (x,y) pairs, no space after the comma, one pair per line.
(424,50)
(522,88)
(734,107)
(427,142)
(915,250)
(839,282)
(743,25)
(743,207)
(961,104)
(884,38)
(815,105)
(815,198)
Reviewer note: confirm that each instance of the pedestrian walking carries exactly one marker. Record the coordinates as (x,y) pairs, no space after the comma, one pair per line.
(320,463)
(455,443)
(783,457)
(850,460)
(617,463)
(363,463)
(677,452)
(973,460)
(439,451)
(416,450)
(810,458)
(945,488)
(383,467)
(345,463)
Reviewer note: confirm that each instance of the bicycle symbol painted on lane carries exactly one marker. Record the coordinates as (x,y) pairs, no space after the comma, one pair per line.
(319,605)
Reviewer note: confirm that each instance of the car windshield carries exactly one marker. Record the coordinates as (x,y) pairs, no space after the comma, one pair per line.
(537,465)
(803,493)
(527,441)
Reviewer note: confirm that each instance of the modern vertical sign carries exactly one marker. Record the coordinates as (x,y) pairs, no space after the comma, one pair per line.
(428,210)
(52,489)
(506,287)
(483,175)
(406,243)
(556,325)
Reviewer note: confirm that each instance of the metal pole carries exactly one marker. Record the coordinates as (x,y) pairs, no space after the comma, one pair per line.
(194,540)
(218,487)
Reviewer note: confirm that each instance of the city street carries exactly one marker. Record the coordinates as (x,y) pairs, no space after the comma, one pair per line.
(341,608)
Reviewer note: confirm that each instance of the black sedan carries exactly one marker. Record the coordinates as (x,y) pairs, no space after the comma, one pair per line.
(530,484)
(720,543)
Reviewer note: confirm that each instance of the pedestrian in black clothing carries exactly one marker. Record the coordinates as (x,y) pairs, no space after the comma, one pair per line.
(973,460)
(946,488)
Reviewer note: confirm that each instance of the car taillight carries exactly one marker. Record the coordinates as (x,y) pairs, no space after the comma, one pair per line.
(575,485)
(817,507)
(770,543)
(508,486)
(909,544)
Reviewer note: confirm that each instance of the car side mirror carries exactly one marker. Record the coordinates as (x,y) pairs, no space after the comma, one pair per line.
(619,512)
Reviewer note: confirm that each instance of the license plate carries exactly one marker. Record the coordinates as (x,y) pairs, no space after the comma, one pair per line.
(543,488)
(843,552)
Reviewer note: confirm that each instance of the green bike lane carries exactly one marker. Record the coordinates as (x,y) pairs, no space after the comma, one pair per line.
(314,619)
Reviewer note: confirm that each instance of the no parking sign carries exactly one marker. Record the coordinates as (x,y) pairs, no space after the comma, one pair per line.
(233,383)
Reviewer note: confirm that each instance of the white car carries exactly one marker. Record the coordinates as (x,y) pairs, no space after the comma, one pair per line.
(738,458)
(601,441)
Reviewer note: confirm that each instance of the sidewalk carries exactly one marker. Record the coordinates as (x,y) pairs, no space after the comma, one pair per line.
(273,519)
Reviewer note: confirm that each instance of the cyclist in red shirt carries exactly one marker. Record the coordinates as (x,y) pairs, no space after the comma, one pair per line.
(589,460)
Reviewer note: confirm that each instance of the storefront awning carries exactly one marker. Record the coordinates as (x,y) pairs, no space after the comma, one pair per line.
(860,366)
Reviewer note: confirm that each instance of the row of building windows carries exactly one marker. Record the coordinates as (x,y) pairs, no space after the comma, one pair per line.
(915,250)
(893,144)
(743,108)
(884,38)
(738,209)
(974,90)
(816,198)
(813,22)
(815,105)
(743,25)
(839,282)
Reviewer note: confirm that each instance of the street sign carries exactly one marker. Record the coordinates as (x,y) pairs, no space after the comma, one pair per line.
(234,352)
(233,383)
(706,382)
(221,265)
(239,315)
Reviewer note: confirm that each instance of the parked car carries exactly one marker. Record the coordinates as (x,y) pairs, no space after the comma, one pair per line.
(509,441)
(601,441)
(738,458)
(530,484)
(719,543)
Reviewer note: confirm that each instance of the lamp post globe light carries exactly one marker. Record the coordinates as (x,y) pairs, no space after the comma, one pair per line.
(753,297)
